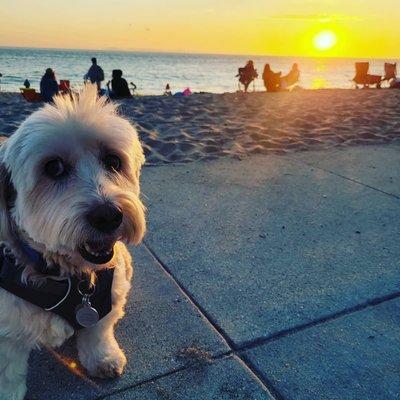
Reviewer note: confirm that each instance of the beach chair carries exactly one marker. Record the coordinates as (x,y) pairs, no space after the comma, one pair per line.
(247,75)
(30,95)
(390,71)
(64,85)
(246,78)
(364,78)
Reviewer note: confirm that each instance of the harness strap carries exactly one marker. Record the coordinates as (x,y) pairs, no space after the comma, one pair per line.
(60,296)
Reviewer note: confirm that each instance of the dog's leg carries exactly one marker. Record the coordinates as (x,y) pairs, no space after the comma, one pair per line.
(56,333)
(13,368)
(99,351)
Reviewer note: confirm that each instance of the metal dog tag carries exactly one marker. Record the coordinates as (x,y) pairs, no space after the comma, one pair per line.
(85,314)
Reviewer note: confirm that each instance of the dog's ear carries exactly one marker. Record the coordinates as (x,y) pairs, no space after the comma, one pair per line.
(8,195)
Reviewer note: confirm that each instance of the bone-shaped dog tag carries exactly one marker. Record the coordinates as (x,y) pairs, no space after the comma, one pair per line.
(85,314)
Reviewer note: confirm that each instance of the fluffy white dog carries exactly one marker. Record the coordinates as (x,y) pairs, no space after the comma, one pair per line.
(69,196)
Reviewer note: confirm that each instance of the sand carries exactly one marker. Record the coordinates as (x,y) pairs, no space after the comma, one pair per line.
(207,126)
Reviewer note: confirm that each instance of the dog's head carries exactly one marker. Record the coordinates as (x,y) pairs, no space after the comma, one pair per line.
(70,180)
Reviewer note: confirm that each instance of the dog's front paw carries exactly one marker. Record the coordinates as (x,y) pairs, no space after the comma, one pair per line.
(111,367)
(105,365)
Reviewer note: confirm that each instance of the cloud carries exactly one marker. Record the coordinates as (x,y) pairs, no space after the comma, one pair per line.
(316,17)
(208,11)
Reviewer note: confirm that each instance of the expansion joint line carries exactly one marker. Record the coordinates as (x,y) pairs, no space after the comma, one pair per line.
(237,350)
(268,387)
(344,177)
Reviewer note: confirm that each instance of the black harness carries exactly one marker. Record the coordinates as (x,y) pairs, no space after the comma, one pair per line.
(61,296)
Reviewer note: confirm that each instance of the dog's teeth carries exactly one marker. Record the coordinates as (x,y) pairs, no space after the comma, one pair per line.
(98,253)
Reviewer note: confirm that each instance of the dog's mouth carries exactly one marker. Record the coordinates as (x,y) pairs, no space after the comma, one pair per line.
(100,252)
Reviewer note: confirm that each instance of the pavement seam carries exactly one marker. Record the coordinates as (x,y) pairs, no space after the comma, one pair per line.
(223,335)
(155,378)
(260,375)
(144,382)
(237,350)
(328,318)
(344,177)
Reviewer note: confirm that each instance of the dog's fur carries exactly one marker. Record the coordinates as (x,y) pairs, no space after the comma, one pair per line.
(50,216)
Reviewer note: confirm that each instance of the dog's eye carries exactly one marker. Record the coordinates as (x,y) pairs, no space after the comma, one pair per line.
(55,168)
(112,162)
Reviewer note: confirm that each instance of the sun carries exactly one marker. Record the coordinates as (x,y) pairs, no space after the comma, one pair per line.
(325,40)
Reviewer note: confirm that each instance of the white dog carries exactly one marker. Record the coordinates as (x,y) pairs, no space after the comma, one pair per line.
(69,200)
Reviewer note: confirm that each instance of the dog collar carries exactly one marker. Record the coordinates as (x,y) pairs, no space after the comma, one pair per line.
(62,296)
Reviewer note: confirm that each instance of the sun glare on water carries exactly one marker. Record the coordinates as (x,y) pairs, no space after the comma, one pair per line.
(325,40)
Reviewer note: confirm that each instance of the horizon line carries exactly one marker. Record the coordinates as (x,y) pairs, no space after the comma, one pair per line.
(192,52)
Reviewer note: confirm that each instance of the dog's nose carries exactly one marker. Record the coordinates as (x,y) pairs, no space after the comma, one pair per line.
(105,218)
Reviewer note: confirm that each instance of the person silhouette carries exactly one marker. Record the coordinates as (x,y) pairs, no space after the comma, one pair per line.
(48,86)
(167,90)
(271,79)
(95,74)
(291,78)
(119,86)
(247,74)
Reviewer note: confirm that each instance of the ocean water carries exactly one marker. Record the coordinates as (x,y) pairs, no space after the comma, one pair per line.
(152,71)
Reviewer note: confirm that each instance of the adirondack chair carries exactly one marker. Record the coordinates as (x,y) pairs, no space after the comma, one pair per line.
(390,71)
(364,78)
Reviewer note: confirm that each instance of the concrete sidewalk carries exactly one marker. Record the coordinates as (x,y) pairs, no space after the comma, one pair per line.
(264,278)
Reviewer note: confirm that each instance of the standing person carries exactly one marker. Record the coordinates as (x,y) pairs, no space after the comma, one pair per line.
(247,74)
(27,84)
(95,73)
(48,86)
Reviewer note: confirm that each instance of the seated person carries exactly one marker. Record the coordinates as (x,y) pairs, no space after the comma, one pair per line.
(167,90)
(291,78)
(272,80)
(48,86)
(119,86)
(247,74)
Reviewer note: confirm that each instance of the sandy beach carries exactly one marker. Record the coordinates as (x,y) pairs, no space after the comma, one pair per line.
(208,126)
(260,273)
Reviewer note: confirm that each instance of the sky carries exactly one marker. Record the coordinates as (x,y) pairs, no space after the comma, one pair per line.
(363,28)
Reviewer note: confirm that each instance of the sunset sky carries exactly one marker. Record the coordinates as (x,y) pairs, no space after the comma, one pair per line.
(363,28)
